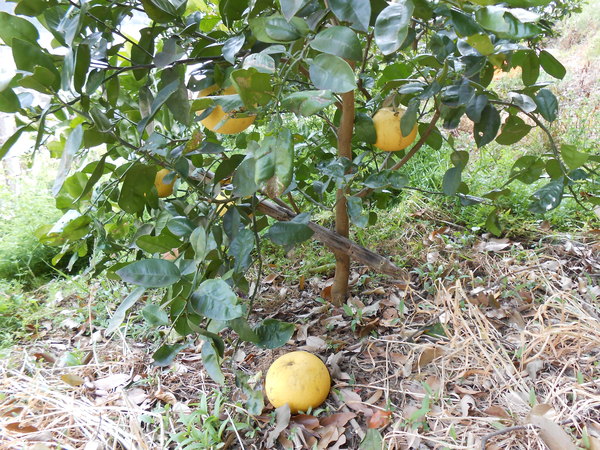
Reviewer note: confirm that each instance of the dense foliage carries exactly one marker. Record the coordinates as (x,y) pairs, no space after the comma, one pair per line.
(247,100)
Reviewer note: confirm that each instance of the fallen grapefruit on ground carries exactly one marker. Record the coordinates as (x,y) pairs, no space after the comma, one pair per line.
(299,379)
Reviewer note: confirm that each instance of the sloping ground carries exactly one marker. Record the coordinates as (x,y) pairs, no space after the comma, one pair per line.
(511,337)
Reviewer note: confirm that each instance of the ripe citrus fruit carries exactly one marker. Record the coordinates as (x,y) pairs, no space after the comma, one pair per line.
(387,128)
(220,121)
(164,189)
(299,379)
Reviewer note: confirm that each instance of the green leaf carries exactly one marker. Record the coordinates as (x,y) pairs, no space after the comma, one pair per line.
(492,223)
(232,46)
(232,10)
(82,65)
(308,103)
(356,12)
(15,27)
(451,181)
(551,65)
(241,249)
(547,104)
(162,243)
(143,52)
(482,43)
(72,146)
(150,273)
(409,118)
(355,212)
(33,7)
(165,355)
(464,24)
(372,440)
(9,102)
(527,169)
(486,129)
(289,234)
(12,140)
(119,315)
(332,73)
(77,228)
(138,181)
(212,362)
(289,8)
(274,333)
(27,55)
(364,130)
(513,130)
(548,197)
(243,178)
(102,122)
(155,315)
(505,25)
(215,299)
(276,29)
(530,66)
(198,242)
(254,87)
(338,41)
(279,149)
(391,26)
(572,157)
(163,95)
(42,80)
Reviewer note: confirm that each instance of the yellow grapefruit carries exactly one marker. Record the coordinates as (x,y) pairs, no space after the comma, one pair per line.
(164,189)
(299,379)
(220,121)
(387,128)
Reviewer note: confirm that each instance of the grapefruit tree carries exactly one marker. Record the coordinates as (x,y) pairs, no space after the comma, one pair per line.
(241,110)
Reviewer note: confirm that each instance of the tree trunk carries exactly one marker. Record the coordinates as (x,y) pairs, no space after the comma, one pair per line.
(339,290)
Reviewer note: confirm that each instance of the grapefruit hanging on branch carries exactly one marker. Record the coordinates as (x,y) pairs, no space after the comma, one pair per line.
(389,134)
(220,121)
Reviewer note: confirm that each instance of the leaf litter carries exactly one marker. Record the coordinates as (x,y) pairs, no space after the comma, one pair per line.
(504,355)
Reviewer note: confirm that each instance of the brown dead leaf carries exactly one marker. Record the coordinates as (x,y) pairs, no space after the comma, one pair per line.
(377,291)
(466,404)
(353,401)
(367,328)
(269,279)
(493,245)
(72,379)
(112,381)
(282,420)
(553,435)
(428,355)
(594,443)
(497,411)
(46,356)
(19,427)
(379,419)
(301,283)
(326,292)
(328,435)
(338,419)
(463,390)
(165,396)
(306,420)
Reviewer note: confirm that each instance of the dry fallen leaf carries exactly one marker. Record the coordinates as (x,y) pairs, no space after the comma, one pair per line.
(353,401)
(72,380)
(466,404)
(379,419)
(497,411)
(553,435)
(21,428)
(112,381)
(428,355)
(338,419)
(282,420)
(306,420)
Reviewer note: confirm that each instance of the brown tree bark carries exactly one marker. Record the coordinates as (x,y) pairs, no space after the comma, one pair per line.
(339,289)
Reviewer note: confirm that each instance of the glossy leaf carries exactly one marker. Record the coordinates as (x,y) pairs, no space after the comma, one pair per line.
(276,29)
(527,169)
(215,299)
(9,102)
(513,130)
(119,315)
(273,333)
(212,362)
(329,72)
(289,8)
(289,234)
(547,104)
(356,12)
(486,129)
(138,181)
(572,157)
(548,197)
(338,41)
(164,356)
(16,27)
(72,145)
(551,65)
(355,212)
(308,103)
(451,181)
(391,27)
(150,273)
(155,315)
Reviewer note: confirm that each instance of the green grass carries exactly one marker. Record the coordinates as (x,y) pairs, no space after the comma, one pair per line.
(21,255)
